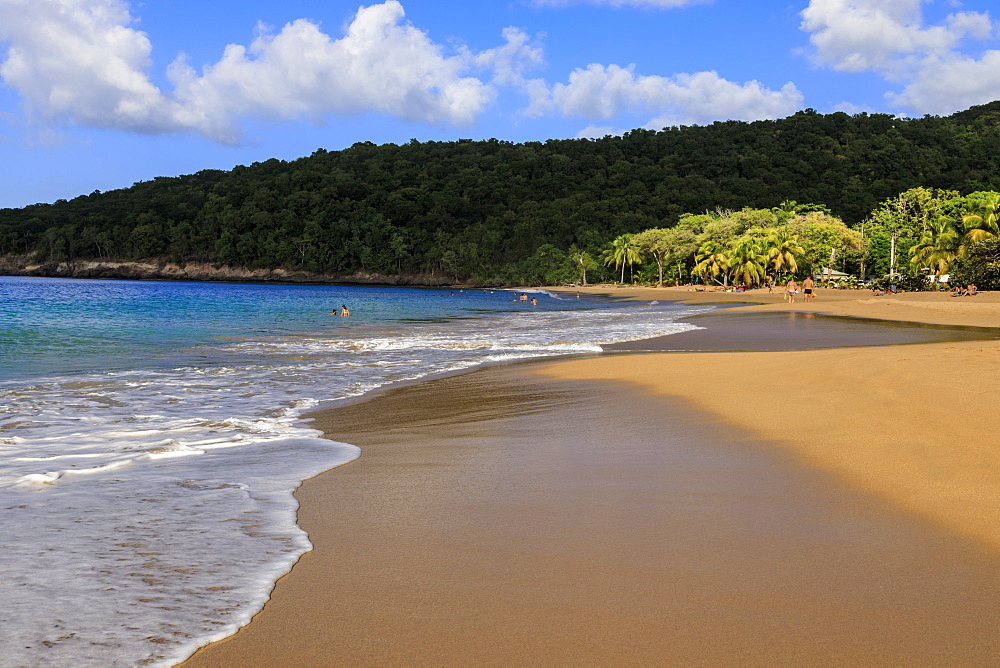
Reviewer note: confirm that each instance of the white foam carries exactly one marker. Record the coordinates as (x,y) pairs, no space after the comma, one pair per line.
(151,510)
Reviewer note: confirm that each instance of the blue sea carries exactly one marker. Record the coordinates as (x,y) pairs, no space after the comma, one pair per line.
(152,434)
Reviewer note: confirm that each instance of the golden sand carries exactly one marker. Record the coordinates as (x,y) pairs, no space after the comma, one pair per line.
(981,310)
(822,507)
(914,424)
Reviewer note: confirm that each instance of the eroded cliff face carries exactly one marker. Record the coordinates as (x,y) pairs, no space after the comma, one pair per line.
(200,271)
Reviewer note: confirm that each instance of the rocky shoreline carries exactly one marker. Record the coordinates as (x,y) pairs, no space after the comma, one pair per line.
(202,271)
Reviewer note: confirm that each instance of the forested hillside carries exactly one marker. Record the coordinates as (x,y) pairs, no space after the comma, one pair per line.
(483,210)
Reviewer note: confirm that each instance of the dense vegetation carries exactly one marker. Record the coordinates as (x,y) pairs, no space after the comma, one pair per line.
(498,212)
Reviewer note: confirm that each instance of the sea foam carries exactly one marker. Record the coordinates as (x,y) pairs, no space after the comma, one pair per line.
(148,500)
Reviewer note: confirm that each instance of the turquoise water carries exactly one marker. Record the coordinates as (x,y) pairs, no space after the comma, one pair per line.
(152,433)
(65,326)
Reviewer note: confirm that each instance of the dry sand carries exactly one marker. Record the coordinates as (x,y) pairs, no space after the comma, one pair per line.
(822,507)
(981,310)
(914,424)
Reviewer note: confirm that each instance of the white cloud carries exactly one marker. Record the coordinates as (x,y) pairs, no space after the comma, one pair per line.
(852,108)
(891,38)
(598,132)
(952,83)
(622,3)
(604,92)
(381,65)
(80,62)
(510,61)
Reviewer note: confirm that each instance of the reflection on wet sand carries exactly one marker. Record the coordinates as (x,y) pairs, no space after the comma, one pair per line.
(781,330)
(497,517)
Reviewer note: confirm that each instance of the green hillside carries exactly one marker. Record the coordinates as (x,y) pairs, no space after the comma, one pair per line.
(482,210)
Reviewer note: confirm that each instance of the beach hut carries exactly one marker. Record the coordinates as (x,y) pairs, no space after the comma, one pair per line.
(831,274)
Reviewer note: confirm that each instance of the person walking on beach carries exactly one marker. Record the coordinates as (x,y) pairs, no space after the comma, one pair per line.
(808,286)
(790,289)
(770,284)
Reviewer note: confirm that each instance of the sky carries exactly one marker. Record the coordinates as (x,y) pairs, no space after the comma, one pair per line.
(100,94)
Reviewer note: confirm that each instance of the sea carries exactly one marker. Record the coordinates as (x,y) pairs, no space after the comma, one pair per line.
(152,435)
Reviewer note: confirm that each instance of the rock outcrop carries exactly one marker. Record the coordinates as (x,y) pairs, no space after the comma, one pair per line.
(201,271)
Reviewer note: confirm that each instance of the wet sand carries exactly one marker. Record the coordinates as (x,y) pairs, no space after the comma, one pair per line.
(608,511)
(982,310)
(746,329)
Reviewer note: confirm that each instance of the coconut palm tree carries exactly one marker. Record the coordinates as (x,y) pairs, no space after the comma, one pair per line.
(938,246)
(783,249)
(746,260)
(712,260)
(623,251)
(984,222)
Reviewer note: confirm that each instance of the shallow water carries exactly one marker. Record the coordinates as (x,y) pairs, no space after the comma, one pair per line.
(151,435)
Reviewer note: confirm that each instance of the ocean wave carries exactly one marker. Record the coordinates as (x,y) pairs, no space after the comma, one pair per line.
(120,475)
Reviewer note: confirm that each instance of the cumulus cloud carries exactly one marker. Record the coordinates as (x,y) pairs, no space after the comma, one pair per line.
(604,92)
(622,3)
(952,83)
(891,38)
(78,60)
(82,62)
(598,132)
(510,61)
(852,108)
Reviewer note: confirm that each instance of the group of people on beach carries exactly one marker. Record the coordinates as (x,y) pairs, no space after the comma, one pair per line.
(965,292)
(808,290)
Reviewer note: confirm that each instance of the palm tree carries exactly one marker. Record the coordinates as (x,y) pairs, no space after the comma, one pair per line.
(782,250)
(985,221)
(712,260)
(746,260)
(938,246)
(623,251)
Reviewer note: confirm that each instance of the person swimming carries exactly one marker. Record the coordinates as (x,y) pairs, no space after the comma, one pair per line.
(344,312)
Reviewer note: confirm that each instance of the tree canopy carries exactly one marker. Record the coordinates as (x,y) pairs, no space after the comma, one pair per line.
(499,212)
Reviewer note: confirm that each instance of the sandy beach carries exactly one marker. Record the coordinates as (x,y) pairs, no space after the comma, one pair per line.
(981,310)
(829,506)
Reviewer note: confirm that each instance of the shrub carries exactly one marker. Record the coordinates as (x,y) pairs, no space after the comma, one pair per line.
(980,265)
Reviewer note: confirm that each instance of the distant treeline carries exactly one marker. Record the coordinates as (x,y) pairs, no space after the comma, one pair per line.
(482,211)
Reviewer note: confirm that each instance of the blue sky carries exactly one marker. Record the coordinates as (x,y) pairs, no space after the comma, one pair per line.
(98,94)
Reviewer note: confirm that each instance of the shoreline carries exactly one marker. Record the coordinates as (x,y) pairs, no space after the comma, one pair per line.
(901,423)
(933,308)
(918,491)
(919,434)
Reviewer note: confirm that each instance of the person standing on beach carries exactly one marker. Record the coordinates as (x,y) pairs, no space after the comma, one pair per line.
(770,284)
(808,286)
(790,289)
